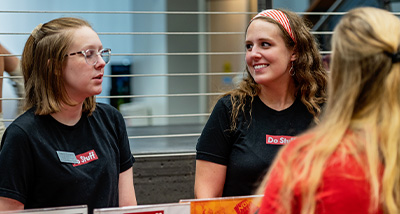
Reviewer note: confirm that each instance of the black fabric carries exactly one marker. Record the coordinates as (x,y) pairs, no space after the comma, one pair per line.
(31,171)
(245,151)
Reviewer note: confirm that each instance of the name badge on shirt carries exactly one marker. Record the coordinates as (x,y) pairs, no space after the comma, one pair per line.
(67,157)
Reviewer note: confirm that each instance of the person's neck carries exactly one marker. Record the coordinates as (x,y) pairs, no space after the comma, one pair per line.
(278,98)
(69,115)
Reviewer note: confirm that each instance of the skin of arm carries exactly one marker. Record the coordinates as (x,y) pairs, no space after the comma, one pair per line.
(209,179)
(10,204)
(10,62)
(6,64)
(127,196)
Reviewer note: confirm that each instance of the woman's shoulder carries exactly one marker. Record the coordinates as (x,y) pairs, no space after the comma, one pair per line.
(228,99)
(223,102)
(27,118)
(107,112)
(225,99)
(106,108)
(26,124)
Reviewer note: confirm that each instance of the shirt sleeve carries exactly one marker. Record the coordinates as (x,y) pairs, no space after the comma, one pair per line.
(16,164)
(126,157)
(214,143)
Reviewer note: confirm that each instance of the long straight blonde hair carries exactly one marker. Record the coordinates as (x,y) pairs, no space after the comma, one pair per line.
(363,98)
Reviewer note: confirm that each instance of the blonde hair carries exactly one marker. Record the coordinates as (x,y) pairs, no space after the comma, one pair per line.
(42,63)
(363,98)
(310,79)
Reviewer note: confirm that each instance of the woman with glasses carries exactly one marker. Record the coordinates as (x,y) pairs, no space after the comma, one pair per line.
(66,149)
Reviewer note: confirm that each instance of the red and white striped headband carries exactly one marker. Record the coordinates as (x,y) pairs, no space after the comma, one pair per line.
(278,16)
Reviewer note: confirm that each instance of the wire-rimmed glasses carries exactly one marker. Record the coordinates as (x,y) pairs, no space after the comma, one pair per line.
(91,55)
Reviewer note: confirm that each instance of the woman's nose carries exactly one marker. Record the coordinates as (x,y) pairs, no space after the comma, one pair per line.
(100,62)
(255,53)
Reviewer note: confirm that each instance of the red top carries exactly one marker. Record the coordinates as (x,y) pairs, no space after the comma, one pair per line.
(344,188)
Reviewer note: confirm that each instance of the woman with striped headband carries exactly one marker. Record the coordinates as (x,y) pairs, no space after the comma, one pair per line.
(279,98)
(349,163)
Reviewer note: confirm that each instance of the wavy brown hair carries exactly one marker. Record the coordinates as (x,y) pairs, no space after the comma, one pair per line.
(310,78)
(42,63)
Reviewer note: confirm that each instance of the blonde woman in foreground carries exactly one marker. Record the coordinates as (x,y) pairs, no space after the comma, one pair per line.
(349,163)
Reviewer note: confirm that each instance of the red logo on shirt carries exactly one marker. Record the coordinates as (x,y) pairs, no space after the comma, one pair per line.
(86,157)
(278,140)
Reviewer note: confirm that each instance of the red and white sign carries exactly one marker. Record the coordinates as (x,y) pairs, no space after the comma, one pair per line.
(86,157)
(278,139)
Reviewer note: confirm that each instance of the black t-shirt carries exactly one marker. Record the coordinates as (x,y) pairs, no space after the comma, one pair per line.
(249,151)
(32,171)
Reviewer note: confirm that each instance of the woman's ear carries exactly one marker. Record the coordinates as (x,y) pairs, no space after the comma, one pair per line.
(294,56)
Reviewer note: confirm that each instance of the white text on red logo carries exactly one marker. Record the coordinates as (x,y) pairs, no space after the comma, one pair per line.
(278,140)
(86,157)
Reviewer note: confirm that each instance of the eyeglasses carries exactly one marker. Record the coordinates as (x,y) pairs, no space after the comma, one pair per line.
(91,55)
